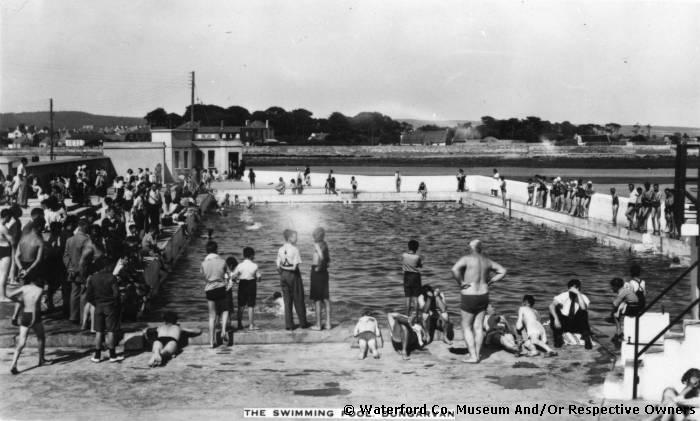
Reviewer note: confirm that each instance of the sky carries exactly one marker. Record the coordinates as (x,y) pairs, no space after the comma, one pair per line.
(582,61)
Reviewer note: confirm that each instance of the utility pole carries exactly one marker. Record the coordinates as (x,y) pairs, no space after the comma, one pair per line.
(192,105)
(51,158)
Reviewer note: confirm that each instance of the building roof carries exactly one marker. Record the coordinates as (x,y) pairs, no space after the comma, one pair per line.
(256,125)
(219,129)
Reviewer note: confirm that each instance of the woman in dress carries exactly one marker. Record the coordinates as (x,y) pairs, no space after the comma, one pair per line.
(319,278)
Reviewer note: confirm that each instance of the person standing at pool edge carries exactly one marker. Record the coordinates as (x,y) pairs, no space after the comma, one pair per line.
(475,283)
(412,288)
(319,278)
(214,270)
(288,262)
(397,177)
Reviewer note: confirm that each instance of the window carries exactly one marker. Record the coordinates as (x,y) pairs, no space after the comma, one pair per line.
(186,158)
(177,159)
(210,159)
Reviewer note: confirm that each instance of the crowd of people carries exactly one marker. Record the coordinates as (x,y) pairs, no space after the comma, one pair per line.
(95,261)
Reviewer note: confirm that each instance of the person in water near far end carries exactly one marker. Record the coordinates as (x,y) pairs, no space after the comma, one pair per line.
(473,274)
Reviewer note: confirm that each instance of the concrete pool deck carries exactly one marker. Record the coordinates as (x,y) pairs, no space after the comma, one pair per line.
(204,382)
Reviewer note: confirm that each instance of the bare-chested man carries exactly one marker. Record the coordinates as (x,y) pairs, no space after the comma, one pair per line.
(473,274)
(167,343)
(29,298)
(5,250)
(30,249)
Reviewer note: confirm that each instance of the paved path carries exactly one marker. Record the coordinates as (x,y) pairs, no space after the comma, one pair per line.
(204,382)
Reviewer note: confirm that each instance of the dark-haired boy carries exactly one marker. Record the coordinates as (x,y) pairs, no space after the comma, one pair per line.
(103,291)
(411,263)
(248,276)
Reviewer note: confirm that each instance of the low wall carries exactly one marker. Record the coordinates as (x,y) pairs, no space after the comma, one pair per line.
(173,244)
(483,149)
(65,167)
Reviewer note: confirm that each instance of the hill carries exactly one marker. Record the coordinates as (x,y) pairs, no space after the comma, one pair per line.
(66,119)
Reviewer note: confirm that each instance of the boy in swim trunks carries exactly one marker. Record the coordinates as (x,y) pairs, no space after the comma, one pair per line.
(411,263)
(248,276)
(532,330)
(432,305)
(29,298)
(167,343)
(368,335)
(406,336)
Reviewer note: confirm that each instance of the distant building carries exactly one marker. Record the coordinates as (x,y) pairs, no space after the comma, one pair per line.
(425,137)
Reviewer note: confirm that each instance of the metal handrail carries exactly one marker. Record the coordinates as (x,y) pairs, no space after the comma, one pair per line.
(638,353)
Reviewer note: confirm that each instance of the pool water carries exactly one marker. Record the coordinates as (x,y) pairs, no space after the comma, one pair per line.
(366,242)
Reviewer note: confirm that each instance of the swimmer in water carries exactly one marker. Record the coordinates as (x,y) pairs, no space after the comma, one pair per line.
(473,273)
(209,235)
(251,202)
(676,263)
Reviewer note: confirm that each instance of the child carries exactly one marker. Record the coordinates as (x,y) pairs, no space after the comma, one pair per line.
(411,264)
(368,336)
(236,201)
(248,275)
(615,205)
(530,191)
(251,202)
(353,183)
(423,190)
(533,332)
(503,190)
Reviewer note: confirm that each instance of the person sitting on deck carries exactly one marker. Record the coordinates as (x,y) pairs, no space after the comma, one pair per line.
(423,190)
(498,332)
(569,313)
(533,332)
(406,335)
(369,336)
(167,343)
(433,307)
(280,187)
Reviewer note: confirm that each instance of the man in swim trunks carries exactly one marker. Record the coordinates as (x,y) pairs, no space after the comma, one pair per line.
(369,336)
(29,298)
(30,248)
(167,344)
(473,274)
(406,337)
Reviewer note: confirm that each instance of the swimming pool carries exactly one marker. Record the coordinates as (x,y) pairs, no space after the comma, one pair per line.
(366,242)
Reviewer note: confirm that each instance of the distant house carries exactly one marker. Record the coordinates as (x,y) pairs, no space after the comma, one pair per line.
(424,137)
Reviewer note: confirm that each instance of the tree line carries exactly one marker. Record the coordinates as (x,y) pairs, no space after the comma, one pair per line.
(295,126)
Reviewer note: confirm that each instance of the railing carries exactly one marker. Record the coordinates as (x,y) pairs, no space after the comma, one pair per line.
(637,352)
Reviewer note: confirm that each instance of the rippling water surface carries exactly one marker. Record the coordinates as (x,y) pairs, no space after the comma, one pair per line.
(366,242)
